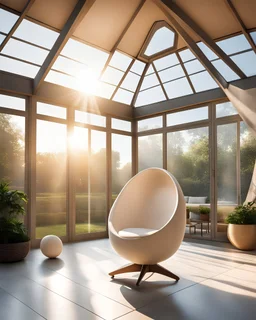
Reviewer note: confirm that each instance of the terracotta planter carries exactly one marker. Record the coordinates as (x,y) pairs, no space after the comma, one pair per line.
(242,236)
(13,252)
(204,217)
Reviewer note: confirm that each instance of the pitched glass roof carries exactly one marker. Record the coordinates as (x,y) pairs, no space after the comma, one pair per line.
(82,67)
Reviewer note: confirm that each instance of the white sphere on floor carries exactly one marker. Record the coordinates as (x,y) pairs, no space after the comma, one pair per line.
(51,246)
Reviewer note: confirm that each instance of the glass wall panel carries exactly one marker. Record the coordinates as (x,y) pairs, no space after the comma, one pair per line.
(51,110)
(81,173)
(247,158)
(121,125)
(188,161)
(51,153)
(225,109)
(12,102)
(98,203)
(226,173)
(150,151)
(121,162)
(12,150)
(90,118)
(187,116)
(150,123)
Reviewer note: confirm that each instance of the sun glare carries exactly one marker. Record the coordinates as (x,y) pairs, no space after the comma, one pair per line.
(88,81)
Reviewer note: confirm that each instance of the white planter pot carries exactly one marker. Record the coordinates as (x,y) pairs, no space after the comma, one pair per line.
(242,236)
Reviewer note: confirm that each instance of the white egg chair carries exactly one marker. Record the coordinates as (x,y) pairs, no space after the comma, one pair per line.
(147,222)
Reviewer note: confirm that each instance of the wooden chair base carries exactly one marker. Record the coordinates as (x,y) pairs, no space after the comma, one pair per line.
(143,269)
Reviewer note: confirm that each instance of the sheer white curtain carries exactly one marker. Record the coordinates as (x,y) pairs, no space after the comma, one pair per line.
(245,103)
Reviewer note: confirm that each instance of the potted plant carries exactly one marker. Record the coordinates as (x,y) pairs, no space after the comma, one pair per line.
(242,226)
(14,240)
(204,213)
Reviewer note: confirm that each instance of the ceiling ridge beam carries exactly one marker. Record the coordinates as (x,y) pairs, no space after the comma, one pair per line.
(241,24)
(205,38)
(17,23)
(81,9)
(195,49)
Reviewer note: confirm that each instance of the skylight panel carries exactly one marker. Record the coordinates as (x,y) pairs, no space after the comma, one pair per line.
(234,44)
(162,39)
(92,57)
(149,96)
(24,51)
(203,81)
(104,90)
(69,66)
(178,88)
(63,80)
(138,67)
(36,34)
(166,62)
(253,35)
(123,96)
(18,67)
(2,37)
(112,76)
(7,20)
(149,81)
(120,61)
(193,66)
(186,55)
(210,55)
(171,73)
(150,70)
(131,81)
(12,102)
(225,70)
(246,62)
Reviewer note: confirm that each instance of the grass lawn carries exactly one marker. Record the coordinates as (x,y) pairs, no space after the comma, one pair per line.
(60,229)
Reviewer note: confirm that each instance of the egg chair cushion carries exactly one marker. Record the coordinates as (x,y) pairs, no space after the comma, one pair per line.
(134,233)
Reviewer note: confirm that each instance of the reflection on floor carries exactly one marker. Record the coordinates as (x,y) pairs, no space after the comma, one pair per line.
(217,282)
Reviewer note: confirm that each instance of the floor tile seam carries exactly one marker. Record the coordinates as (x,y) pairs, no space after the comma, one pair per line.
(125,314)
(63,297)
(182,289)
(84,286)
(10,294)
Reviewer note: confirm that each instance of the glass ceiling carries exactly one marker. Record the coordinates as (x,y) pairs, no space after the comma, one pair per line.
(82,67)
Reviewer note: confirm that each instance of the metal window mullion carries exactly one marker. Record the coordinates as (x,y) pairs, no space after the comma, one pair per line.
(89,180)
(186,73)
(238,164)
(164,143)
(213,167)
(108,168)
(20,60)
(71,203)
(31,167)
(160,82)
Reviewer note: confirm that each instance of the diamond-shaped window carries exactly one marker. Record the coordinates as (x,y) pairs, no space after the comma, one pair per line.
(160,39)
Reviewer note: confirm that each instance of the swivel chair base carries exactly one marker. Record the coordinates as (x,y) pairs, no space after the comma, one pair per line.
(143,270)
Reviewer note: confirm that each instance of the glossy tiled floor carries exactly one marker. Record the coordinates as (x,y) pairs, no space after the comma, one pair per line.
(217,282)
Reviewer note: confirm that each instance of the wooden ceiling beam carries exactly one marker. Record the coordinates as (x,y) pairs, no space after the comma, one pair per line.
(241,23)
(81,9)
(17,23)
(201,34)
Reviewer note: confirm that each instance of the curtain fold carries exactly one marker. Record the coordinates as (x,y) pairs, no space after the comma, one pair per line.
(245,103)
